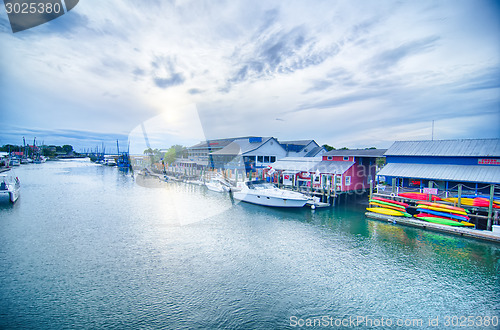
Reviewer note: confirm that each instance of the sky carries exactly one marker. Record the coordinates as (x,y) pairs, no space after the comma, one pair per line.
(155,73)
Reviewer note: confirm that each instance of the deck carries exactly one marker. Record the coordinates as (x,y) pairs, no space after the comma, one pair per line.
(459,231)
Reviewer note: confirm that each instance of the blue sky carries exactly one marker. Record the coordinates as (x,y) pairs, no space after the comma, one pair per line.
(345,73)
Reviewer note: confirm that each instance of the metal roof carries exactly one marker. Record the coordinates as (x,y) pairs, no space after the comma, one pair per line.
(314,152)
(298,142)
(301,164)
(332,167)
(447,148)
(357,152)
(242,146)
(465,173)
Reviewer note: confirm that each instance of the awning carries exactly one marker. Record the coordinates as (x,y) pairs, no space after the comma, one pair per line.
(460,173)
(332,167)
(296,164)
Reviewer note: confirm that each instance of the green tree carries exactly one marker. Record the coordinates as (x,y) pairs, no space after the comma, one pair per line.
(328,147)
(170,155)
(67,148)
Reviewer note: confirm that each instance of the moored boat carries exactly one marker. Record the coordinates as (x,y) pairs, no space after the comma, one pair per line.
(10,185)
(266,194)
(216,185)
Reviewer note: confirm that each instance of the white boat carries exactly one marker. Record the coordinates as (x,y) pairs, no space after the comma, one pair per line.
(216,185)
(15,162)
(9,184)
(265,193)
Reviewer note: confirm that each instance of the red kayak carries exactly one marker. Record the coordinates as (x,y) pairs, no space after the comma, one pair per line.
(390,201)
(483,202)
(419,196)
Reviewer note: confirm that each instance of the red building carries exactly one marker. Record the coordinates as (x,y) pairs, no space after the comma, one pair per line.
(351,170)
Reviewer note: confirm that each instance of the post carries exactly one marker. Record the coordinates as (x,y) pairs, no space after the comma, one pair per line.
(329,187)
(459,195)
(393,185)
(430,186)
(335,186)
(490,207)
(371,187)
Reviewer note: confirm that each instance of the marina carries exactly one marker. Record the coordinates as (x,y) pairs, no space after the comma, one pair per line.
(92,246)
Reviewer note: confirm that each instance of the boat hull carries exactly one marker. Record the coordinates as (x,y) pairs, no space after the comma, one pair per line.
(268,200)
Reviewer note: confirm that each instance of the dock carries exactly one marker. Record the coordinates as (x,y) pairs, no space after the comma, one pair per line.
(483,235)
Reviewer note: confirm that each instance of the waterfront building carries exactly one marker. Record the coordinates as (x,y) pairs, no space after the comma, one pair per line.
(249,154)
(337,170)
(472,165)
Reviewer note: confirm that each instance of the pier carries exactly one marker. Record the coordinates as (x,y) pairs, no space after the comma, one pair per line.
(459,231)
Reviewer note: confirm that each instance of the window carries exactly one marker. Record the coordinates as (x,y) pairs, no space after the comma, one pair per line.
(273,159)
(347,180)
(266,159)
(329,158)
(260,159)
(346,157)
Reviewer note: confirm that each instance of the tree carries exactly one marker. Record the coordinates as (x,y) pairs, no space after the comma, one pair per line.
(170,155)
(328,147)
(67,148)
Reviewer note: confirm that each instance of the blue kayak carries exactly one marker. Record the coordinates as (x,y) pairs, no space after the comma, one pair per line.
(444,214)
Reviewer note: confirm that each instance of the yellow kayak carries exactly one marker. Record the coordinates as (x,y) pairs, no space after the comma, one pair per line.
(385,211)
(464,201)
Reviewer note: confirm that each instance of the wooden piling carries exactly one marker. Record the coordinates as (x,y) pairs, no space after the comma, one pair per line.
(490,207)
(460,195)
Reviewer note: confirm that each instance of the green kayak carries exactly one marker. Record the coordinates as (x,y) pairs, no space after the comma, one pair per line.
(442,221)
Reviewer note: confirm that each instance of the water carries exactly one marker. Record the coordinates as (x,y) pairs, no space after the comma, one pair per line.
(86,246)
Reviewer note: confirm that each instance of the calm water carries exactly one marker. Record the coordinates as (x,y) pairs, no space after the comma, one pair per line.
(86,246)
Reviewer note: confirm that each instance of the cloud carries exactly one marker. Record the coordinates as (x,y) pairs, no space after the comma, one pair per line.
(390,58)
(164,73)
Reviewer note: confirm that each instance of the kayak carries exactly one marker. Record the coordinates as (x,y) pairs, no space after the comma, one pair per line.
(441,221)
(390,201)
(464,201)
(441,209)
(388,204)
(496,198)
(443,214)
(483,202)
(427,215)
(419,196)
(445,206)
(385,211)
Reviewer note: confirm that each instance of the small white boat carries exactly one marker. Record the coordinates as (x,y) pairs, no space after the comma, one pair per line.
(216,185)
(265,193)
(9,184)
(15,162)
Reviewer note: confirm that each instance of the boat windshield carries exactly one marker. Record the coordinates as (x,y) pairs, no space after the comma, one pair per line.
(259,185)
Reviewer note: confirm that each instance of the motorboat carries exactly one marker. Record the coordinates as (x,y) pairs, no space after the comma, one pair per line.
(267,194)
(9,184)
(216,185)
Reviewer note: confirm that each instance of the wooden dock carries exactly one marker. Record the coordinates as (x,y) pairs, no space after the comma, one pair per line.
(459,231)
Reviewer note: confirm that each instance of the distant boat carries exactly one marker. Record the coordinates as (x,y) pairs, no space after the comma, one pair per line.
(9,184)
(265,193)
(216,185)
